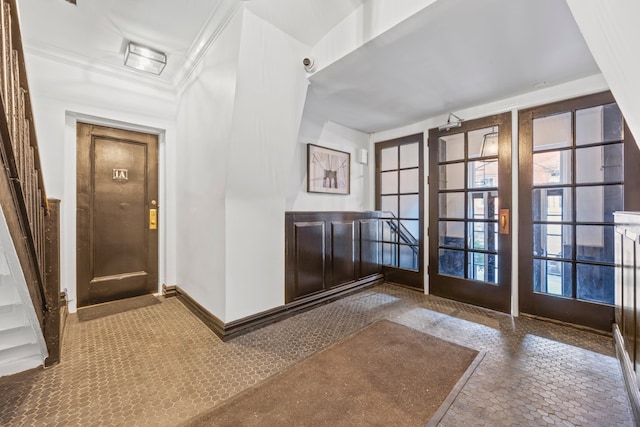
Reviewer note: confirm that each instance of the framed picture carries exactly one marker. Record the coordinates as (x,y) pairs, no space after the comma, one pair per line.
(328,171)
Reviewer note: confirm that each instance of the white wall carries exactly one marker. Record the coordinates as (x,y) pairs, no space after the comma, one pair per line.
(205,113)
(63,93)
(238,120)
(268,109)
(319,131)
(612,33)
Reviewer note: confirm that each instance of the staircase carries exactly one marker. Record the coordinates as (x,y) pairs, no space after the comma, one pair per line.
(29,227)
(22,344)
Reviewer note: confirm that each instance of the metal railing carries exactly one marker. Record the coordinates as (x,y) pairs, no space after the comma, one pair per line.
(403,234)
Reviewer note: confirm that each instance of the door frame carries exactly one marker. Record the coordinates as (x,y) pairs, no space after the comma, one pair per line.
(68,266)
(495,297)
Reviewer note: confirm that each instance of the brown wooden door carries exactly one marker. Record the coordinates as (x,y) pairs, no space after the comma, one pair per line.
(399,195)
(578,165)
(469,198)
(117,194)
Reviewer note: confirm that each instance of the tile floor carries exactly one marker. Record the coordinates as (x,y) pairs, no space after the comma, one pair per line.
(159,365)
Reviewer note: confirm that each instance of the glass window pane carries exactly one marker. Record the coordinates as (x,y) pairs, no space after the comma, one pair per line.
(409,257)
(452,176)
(552,167)
(451,233)
(389,228)
(552,277)
(483,235)
(552,204)
(410,231)
(483,142)
(390,254)
(599,164)
(595,283)
(483,267)
(452,205)
(598,124)
(409,155)
(483,173)
(451,262)
(552,240)
(389,204)
(410,206)
(552,132)
(598,203)
(409,181)
(451,147)
(389,158)
(483,205)
(389,182)
(595,243)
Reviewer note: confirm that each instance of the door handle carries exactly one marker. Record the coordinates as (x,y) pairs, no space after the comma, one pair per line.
(504,221)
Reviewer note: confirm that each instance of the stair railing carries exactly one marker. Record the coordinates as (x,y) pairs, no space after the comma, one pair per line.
(404,235)
(22,192)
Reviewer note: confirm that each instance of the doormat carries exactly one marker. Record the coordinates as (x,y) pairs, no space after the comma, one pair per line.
(114,307)
(385,374)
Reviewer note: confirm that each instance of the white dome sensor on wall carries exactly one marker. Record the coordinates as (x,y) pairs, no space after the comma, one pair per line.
(309,64)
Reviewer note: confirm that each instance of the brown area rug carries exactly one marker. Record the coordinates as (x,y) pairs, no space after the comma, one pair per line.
(386,374)
(114,307)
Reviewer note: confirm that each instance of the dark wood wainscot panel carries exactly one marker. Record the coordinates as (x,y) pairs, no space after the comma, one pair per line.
(328,250)
(627,300)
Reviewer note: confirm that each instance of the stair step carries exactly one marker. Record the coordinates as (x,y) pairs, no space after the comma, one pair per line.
(16,337)
(12,316)
(18,359)
(8,292)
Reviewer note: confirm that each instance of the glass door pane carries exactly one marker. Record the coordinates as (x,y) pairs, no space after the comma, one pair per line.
(399,192)
(557,160)
(481,214)
(572,179)
(470,183)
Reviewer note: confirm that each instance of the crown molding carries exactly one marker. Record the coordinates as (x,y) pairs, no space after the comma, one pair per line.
(218,20)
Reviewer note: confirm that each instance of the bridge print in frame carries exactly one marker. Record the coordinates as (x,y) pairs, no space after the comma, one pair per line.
(328,171)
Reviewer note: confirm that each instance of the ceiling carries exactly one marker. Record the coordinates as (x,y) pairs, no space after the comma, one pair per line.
(307,20)
(96,32)
(451,55)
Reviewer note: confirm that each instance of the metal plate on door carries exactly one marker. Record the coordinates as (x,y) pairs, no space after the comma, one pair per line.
(504,221)
(121,174)
(153,219)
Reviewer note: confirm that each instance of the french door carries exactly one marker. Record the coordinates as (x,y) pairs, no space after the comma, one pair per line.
(469,206)
(399,195)
(576,158)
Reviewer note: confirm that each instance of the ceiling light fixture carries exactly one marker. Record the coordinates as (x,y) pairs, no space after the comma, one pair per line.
(144,58)
(450,125)
(489,144)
